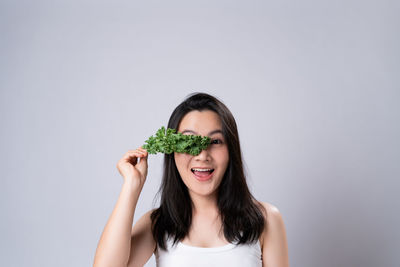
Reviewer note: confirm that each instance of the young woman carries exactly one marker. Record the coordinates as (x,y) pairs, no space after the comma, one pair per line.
(207,216)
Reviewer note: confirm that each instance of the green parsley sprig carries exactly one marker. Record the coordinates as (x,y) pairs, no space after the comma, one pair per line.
(168,141)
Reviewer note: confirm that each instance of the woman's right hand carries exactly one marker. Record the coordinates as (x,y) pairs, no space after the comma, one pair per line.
(133,170)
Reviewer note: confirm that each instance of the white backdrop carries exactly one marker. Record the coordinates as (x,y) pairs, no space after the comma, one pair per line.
(313,85)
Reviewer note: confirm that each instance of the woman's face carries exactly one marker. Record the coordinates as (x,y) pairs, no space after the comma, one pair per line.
(202,174)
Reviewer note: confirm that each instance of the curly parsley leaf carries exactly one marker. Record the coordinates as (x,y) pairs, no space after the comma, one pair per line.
(168,141)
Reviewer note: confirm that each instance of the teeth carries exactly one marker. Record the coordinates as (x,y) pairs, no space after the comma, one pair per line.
(202,170)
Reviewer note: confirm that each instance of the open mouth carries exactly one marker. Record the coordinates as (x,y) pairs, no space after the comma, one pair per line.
(202,172)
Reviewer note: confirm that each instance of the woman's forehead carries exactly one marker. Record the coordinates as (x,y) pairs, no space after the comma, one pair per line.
(197,122)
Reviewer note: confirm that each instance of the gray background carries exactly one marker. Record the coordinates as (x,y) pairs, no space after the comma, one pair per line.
(313,85)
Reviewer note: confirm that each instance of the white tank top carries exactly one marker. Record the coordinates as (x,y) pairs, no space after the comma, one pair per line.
(232,255)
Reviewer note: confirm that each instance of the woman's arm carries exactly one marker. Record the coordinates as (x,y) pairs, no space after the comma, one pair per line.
(275,249)
(114,247)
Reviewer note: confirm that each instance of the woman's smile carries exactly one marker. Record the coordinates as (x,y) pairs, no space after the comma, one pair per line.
(202,174)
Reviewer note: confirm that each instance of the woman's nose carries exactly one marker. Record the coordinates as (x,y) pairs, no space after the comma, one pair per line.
(203,156)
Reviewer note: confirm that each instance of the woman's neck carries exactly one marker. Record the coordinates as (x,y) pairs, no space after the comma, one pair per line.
(204,204)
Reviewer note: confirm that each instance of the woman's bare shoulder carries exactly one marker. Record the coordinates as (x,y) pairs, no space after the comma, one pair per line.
(143,224)
(273,240)
(270,209)
(142,241)
(147,215)
(273,219)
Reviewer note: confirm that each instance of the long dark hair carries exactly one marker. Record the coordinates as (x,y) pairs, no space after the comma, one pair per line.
(241,215)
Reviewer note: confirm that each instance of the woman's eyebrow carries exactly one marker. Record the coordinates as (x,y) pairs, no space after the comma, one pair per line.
(215,132)
(210,133)
(189,131)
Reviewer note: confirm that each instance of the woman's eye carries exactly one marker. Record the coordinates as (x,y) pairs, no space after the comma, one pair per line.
(216,141)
